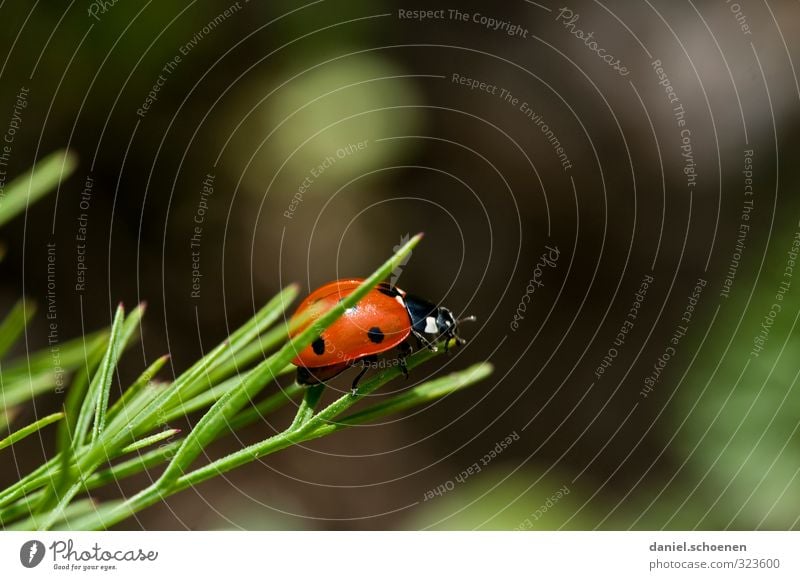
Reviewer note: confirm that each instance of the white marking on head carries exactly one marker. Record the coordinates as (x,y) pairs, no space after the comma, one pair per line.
(430,325)
(400,300)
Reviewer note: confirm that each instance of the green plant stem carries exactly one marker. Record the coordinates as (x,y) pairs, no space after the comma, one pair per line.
(292,436)
(305,410)
(318,426)
(44,473)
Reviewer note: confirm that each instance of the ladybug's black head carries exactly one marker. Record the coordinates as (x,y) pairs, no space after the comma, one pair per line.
(430,322)
(445,322)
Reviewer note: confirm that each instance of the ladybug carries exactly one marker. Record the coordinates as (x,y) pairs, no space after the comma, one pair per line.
(385,318)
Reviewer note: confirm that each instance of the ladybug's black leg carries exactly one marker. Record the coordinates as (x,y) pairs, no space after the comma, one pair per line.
(354,388)
(405,350)
(365,362)
(304,377)
(421,340)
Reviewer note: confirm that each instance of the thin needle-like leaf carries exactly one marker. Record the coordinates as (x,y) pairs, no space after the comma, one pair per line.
(71,354)
(132,466)
(209,396)
(77,389)
(30,429)
(14,323)
(95,404)
(260,410)
(96,401)
(134,390)
(424,393)
(103,376)
(123,419)
(32,186)
(322,419)
(185,385)
(147,441)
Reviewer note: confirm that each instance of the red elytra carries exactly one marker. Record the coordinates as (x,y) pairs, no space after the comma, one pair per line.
(379,322)
(385,318)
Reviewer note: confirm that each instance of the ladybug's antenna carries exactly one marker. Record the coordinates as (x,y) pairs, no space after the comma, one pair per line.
(470,318)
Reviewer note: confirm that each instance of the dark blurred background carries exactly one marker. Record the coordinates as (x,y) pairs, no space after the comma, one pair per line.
(272,101)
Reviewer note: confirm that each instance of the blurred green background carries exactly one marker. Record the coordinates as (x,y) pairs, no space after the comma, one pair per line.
(333,130)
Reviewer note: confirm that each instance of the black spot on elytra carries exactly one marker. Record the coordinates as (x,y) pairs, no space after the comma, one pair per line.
(318,346)
(375,335)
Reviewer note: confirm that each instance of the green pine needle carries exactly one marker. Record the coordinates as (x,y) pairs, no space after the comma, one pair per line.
(26,189)
(14,324)
(30,429)
(148,441)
